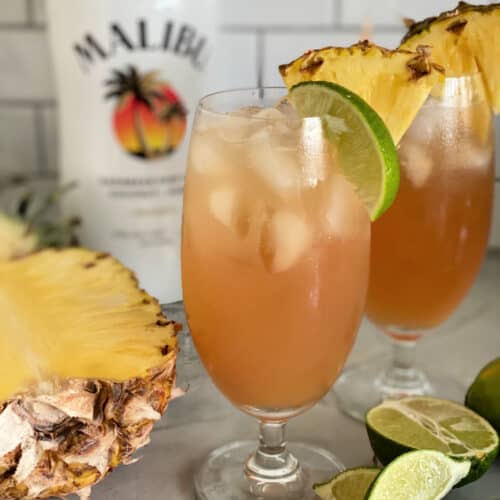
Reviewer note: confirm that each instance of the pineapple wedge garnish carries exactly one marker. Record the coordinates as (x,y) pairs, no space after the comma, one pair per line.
(395,83)
(464,40)
(88,365)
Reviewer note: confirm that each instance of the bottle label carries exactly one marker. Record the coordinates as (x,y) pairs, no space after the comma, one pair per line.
(129,75)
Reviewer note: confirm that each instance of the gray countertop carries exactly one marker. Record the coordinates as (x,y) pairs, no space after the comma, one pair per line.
(203,419)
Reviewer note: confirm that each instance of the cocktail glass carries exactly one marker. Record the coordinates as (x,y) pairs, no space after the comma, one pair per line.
(275,258)
(427,250)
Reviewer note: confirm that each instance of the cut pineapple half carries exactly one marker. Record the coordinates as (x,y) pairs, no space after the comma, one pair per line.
(464,40)
(395,83)
(89,363)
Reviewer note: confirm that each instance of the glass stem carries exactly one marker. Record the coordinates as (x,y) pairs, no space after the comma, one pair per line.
(404,354)
(402,377)
(272,467)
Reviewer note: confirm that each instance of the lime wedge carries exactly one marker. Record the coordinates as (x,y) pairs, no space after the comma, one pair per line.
(418,475)
(365,149)
(414,423)
(483,395)
(351,484)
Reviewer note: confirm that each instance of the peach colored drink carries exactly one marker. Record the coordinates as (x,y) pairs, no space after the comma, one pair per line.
(275,261)
(427,250)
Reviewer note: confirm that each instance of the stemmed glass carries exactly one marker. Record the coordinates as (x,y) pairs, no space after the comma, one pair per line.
(275,258)
(427,250)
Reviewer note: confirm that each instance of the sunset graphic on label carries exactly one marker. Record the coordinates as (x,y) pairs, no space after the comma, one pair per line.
(149,119)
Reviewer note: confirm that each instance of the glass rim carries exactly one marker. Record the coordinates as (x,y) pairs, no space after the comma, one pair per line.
(450,86)
(468,76)
(463,90)
(205,108)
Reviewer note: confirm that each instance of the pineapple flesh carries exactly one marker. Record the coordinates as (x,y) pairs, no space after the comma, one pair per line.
(464,41)
(88,365)
(395,83)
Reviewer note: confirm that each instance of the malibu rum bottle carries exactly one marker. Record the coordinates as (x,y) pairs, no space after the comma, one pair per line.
(129,74)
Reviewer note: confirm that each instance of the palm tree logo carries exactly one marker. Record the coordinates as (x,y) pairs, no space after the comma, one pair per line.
(149,119)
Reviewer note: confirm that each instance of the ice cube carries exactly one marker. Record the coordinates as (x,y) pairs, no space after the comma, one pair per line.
(416,163)
(427,125)
(474,156)
(247,111)
(235,127)
(285,107)
(282,128)
(206,154)
(279,169)
(269,114)
(222,205)
(228,208)
(277,165)
(344,215)
(207,121)
(285,237)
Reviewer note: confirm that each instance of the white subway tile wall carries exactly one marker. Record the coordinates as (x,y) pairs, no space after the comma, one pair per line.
(392,12)
(25,62)
(37,11)
(234,62)
(256,36)
(268,13)
(18,140)
(13,12)
(48,136)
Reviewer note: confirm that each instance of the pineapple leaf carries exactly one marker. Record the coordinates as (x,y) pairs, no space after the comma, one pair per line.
(24,204)
(50,201)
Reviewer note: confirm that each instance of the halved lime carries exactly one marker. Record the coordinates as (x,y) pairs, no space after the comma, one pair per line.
(483,395)
(365,149)
(418,475)
(352,484)
(413,423)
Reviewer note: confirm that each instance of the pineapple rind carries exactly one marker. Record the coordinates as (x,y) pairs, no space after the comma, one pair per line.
(69,465)
(417,27)
(395,83)
(61,435)
(464,41)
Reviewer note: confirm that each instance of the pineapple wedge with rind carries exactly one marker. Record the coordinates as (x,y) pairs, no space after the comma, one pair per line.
(395,83)
(90,364)
(464,40)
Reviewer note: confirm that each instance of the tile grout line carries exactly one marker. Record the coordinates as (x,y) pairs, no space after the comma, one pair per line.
(305,28)
(42,156)
(337,13)
(260,57)
(30,13)
(20,27)
(243,28)
(16,102)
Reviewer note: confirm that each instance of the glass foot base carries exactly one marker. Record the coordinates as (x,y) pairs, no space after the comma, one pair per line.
(366,385)
(222,476)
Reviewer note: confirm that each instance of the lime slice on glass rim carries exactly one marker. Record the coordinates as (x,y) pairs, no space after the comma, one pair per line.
(414,423)
(351,484)
(367,154)
(418,475)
